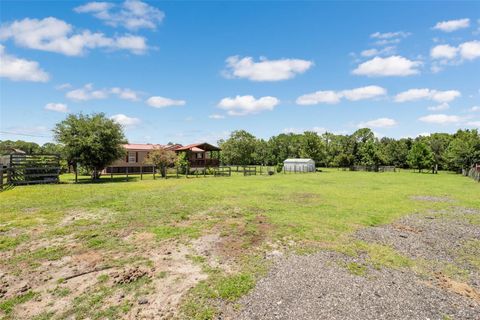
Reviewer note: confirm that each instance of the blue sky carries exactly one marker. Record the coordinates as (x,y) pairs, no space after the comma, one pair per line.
(195,71)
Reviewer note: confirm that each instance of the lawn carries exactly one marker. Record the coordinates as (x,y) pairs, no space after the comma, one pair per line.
(157,227)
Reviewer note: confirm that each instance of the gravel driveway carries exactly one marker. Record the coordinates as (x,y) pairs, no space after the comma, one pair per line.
(319,286)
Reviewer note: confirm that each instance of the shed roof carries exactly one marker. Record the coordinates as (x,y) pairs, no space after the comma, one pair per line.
(199,147)
(299,160)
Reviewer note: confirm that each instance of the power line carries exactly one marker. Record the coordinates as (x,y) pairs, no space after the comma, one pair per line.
(24,134)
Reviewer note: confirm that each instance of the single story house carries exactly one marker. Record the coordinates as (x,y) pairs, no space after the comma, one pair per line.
(198,155)
(299,165)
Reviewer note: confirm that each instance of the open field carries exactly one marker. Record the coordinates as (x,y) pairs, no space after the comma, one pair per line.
(194,248)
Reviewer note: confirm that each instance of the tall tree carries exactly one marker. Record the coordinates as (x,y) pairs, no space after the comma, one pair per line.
(94,141)
(420,156)
(464,150)
(239,148)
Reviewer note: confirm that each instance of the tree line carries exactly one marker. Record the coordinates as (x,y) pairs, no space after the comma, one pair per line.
(438,151)
(95,141)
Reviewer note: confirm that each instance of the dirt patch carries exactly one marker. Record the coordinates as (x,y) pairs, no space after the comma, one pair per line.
(163,271)
(457,287)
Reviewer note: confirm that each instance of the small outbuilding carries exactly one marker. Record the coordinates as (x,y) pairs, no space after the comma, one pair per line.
(299,165)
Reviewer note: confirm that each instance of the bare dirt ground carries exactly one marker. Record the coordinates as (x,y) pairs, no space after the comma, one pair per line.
(442,282)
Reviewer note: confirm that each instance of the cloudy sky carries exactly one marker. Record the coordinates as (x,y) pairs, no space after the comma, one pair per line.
(194,71)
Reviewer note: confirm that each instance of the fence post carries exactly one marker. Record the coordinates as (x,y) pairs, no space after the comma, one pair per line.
(141,172)
(76,173)
(111,173)
(153,170)
(1,179)
(127,172)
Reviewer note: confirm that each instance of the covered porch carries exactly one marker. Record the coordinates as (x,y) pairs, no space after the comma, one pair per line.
(201,155)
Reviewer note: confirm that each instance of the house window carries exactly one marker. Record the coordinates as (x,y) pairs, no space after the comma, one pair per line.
(132,157)
(199,155)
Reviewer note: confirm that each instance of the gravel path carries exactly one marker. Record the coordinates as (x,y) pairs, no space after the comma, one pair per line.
(314,287)
(320,287)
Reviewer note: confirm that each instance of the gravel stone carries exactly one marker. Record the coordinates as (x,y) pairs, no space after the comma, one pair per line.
(315,287)
(319,286)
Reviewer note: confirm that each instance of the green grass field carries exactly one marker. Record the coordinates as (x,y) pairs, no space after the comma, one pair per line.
(304,212)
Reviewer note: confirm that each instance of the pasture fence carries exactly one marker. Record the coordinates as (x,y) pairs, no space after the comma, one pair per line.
(249,170)
(33,169)
(222,172)
(373,168)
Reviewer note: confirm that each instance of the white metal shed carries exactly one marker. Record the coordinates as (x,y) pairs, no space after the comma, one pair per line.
(299,165)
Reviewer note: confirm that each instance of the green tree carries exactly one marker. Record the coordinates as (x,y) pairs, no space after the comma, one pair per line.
(420,156)
(92,141)
(27,147)
(162,159)
(239,148)
(464,150)
(312,146)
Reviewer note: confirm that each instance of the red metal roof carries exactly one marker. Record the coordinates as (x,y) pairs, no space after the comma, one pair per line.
(139,146)
(199,147)
(195,147)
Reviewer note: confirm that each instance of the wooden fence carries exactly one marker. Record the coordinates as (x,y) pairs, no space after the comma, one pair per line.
(373,168)
(222,172)
(33,169)
(249,170)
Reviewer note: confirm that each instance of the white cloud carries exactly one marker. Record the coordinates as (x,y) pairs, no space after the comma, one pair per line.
(333,97)
(389,35)
(376,52)
(442,106)
(125,94)
(54,35)
(87,92)
(63,86)
(125,120)
(57,107)
(161,102)
(17,69)
(265,70)
(428,94)
(362,93)
(390,66)
(387,38)
(244,105)
(470,50)
(369,52)
(440,119)
(378,123)
(474,123)
(475,108)
(216,116)
(131,14)
(443,51)
(452,25)
(329,97)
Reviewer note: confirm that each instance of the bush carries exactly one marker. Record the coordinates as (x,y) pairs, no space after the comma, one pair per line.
(279,167)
